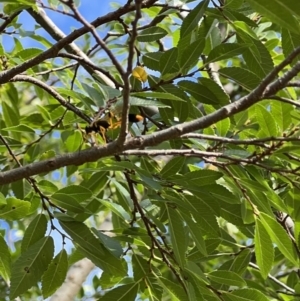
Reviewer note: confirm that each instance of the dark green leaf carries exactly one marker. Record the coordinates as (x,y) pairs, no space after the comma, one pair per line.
(178,235)
(151,34)
(126,292)
(227,278)
(92,248)
(243,77)
(34,232)
(55,274)
(191,21)
(226,51)
(30,266)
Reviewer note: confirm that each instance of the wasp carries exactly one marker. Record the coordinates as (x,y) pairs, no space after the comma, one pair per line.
(110,121)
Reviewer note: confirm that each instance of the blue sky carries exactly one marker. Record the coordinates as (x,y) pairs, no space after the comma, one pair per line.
(90,10)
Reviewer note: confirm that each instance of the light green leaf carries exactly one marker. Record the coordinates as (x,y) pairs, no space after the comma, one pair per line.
(5,260)
(223,126)
(290,41)
(73,140)
(264,251)
(22,128)
(280,12)
(282,114)
(280,238)
(55,274)
(142,102)
(15,209)
(266,121)
(30,266)
(159,95)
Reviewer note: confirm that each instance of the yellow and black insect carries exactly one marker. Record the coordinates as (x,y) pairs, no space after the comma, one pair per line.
(110,121)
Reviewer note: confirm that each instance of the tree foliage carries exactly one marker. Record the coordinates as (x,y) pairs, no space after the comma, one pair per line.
(202,194)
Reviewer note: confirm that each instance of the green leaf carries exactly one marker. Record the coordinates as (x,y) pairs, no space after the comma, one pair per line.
(126,292)
(264,251)
(223,126)
(178,235)
(190,22)
(227,278)
(73,141)
(78,192)
(34,232)
(97,96)
(116,208)
(142,102)
(67,202)
(15,209)
(282,114)
(196,233)
(56,273)
(201,93)
(225,51)
(151,34)
(266,121)
(172,167)
(290,41)
(152,60)
(22,128)
(159,95)
(241,76)
(280,238)
(92,248)
(248,294)
(199,177)
(193,269)
(191,54)
(5,260)
(167,60)
(173,289)
(30,266)
(28,53)
(279,12)
(110,243)
(203,215)
(256,56)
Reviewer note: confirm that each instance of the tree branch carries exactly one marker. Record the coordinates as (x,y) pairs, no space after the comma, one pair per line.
(6,75)
(112,148)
